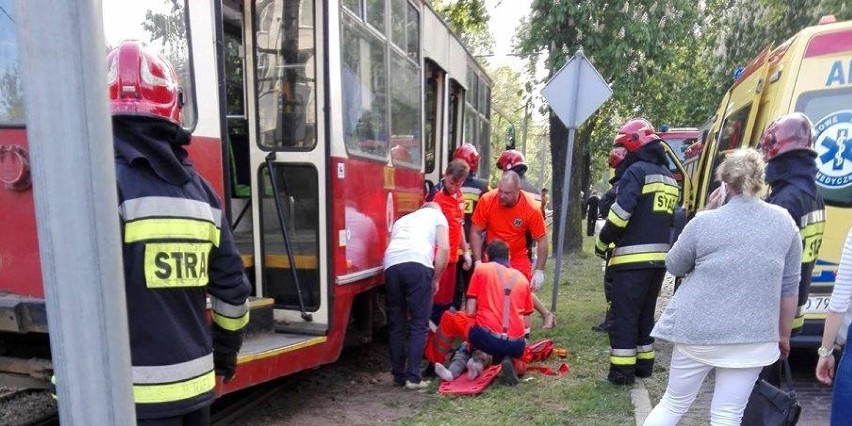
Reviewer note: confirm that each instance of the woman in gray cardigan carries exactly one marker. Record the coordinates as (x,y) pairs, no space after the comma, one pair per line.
(733,311)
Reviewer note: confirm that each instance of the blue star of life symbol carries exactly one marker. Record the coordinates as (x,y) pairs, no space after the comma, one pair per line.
(838,149)
(834,150)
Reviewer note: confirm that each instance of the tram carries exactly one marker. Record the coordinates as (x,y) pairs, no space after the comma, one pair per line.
(319,122)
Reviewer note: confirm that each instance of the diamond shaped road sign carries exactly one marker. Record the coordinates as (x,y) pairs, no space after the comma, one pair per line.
(576,91)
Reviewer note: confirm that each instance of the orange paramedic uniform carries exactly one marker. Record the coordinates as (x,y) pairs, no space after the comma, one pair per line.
(510,224)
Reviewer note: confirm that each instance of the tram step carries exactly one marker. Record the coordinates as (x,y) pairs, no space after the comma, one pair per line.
(305,328)
(261,318)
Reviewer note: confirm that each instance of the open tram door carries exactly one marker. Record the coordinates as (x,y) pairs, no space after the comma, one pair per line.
(734,123)
(278,166)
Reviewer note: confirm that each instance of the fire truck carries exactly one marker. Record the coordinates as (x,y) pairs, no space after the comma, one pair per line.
(318,122)
(809,73)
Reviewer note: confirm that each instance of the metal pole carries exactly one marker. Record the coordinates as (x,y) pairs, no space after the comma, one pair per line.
(566,193)
(69,130)
(563,216)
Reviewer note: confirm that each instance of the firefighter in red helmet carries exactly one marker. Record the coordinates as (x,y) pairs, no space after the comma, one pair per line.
(787,148)
(616,162)
(177,248)
(639,224)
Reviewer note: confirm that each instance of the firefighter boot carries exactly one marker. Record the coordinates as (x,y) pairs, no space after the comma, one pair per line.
(644,360)
(622,374)
(644,368)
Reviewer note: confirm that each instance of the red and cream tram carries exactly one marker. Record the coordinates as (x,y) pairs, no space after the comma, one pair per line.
(319,121)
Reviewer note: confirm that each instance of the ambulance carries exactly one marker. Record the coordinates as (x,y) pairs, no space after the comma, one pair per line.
(809,73)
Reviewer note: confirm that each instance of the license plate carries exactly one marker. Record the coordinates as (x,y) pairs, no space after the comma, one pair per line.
(817,304)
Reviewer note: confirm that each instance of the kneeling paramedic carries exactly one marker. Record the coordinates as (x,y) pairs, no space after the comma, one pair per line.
(177,248)
(499,302)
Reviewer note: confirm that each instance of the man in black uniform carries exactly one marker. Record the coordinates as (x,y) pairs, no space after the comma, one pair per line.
(639,224)
(787,147)
(591,211)
(177,248)
(616,162)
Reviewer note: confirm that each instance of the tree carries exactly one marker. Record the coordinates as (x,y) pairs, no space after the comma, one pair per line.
(629,42)
(469,20)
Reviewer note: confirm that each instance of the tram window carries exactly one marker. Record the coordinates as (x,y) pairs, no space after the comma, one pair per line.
(354,6)
(298,193)
(398,22)
(376,14)
(470,125)
(286,83)
(473,84)
(365,91)
(434,114)
(405,112)
(162,25)
(483,97)
(413,29)
(733,129)
(456,111)
(11,92)
(485,146)
(234,75)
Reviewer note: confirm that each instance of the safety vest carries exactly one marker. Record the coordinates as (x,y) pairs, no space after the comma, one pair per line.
(640,220)
(177,249)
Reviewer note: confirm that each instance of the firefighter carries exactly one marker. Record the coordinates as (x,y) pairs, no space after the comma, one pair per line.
(617,163)
(177,248)
(639,224)
(471,189)
(787,148)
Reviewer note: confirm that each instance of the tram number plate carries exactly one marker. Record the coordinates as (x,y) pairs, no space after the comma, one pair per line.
(817,304)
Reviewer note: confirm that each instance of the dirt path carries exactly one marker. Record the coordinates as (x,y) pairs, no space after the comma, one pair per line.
(357,390)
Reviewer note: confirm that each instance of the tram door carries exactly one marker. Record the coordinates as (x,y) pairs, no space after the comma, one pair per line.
(286,159)
(435,136)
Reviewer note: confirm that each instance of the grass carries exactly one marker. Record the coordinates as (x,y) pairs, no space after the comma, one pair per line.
(582,397)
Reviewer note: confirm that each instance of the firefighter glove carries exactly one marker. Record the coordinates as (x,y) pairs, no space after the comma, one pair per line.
(600,249)
(225,365)
(537,279)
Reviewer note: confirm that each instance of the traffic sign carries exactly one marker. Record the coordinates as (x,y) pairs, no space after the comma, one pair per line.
(576,91)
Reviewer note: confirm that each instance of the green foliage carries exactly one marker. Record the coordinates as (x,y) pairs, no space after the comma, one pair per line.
(581,397)
(469,20)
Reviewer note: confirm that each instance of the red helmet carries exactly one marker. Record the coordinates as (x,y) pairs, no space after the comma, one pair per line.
(141,82)
(510,160)
(469,154)
(634,134)
(616,156)
(787,133)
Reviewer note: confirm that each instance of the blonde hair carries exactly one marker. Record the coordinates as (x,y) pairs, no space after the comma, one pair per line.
(742,170)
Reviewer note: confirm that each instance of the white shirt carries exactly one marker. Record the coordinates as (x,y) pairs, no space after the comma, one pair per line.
(842,293)
(738,355)
(413,238)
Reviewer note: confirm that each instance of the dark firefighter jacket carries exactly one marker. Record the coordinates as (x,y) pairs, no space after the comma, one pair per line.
(791,180)
(639,222)
(177,248)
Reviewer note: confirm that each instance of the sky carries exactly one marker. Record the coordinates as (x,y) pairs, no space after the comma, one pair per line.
(505,17)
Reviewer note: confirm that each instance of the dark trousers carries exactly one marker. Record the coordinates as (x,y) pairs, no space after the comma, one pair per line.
(409,295)
(481,339)
(608,295)
(634,298)
(590,225)
(199,417)
(462,281)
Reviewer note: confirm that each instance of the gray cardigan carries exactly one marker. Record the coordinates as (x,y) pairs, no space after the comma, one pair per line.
(738,261)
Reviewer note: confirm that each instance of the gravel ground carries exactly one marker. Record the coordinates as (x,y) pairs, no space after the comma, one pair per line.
(24,408)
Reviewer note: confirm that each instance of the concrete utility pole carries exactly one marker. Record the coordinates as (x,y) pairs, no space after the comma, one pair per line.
(62,55)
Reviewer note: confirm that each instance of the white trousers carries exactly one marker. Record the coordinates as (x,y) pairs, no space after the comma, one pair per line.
(730,396)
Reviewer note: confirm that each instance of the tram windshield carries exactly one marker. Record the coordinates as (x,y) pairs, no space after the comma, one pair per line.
(11,92)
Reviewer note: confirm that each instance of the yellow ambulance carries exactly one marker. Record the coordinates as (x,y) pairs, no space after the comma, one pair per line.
(810,73)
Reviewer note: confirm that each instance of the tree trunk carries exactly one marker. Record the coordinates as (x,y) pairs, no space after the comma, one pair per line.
(558,148)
